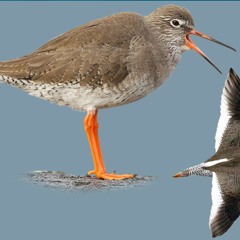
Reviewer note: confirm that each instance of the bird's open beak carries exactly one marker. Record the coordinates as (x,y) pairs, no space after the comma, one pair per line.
(191,45)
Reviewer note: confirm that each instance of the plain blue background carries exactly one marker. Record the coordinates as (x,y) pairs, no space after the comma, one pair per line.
(169,130)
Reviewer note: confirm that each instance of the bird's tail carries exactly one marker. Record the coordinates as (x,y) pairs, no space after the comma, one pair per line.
(195,170)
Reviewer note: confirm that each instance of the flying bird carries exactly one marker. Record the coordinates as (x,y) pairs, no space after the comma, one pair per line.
(224,165)
(106,63)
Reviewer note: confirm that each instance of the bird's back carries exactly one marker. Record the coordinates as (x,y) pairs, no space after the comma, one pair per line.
(104,63)
(77,52)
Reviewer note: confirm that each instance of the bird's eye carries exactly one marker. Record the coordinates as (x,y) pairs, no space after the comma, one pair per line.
(175,23)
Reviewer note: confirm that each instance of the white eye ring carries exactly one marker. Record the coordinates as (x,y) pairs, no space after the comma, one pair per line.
(176,23)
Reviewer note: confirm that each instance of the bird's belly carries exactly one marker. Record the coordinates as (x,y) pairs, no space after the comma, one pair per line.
(86,98)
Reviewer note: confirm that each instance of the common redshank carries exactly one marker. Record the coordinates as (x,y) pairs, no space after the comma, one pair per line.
(106,63)
(224,165)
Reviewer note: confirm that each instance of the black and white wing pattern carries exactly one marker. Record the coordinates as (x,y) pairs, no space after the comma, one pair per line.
(225,202)
(224,165)
(230,105)
(226,181)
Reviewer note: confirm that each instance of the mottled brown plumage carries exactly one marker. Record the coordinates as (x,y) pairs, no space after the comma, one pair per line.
(105,63)
(125,54)
(95,53)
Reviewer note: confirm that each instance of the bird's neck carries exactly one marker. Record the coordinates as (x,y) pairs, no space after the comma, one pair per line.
(167,56)
(166,51)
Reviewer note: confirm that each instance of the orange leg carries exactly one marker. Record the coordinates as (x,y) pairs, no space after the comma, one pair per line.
(91,128)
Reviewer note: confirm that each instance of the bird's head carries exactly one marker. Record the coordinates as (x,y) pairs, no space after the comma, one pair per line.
(173,25)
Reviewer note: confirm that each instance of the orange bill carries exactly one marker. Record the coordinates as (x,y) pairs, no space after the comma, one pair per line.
(191,45)
(178,175)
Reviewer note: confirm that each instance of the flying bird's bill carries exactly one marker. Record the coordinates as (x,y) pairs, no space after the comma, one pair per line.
(224,165)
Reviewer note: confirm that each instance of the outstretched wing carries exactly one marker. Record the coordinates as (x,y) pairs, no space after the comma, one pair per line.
(230,105)
(225,202)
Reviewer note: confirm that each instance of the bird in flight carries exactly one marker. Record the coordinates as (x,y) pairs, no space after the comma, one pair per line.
(224,165)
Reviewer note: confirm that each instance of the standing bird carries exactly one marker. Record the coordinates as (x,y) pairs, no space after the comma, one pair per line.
(106,63)
(224,165)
